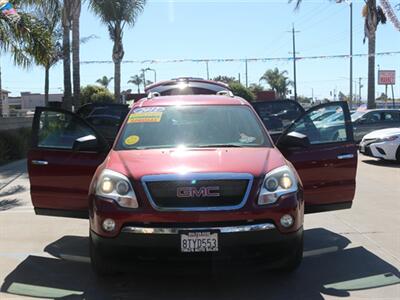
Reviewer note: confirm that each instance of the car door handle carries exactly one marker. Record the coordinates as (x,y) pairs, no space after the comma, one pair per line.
(345,156)
(40,162)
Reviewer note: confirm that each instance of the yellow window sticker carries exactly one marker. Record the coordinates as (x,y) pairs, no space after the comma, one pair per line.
(145,117)
(132,140)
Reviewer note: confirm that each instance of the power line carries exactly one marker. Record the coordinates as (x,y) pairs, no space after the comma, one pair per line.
(249,60)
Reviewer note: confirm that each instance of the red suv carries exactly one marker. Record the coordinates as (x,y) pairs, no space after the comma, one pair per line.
(192,174)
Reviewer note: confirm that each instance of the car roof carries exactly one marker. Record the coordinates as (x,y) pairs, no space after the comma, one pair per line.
(381,109)
(190,100)
(186,80)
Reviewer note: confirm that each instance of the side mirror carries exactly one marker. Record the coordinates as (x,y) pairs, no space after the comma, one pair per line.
(86,144)
(294,140)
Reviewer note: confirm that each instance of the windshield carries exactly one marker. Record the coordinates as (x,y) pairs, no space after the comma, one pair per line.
(357,115)
(192,126)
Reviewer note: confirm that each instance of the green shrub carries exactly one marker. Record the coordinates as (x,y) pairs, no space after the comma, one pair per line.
(94,93)
(240,90)
(14,144)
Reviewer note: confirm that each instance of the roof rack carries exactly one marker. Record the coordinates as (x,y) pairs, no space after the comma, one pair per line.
(226,93)
(153,95)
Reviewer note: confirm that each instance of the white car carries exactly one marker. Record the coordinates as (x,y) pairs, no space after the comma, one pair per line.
(384,143)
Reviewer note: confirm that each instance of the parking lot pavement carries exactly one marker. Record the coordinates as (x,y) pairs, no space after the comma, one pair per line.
(352,253)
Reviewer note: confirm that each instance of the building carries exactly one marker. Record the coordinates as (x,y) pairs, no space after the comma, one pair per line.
(27,102)
(4,103)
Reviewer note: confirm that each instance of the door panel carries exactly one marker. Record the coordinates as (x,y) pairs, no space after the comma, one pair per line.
(59,176)
(327,167)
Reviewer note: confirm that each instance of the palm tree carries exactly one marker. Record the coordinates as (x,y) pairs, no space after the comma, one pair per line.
(105,81)
(373,15)
(49,12)
(76,77)
(25,38)
(66,24)
(278,81)
(116,15)
(136,80)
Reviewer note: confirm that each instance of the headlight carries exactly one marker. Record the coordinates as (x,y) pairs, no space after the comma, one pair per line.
(388,138)
(277,183)
(115,186)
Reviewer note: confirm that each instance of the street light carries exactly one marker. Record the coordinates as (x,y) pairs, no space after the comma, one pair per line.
(350,3)
(153,70)
(144,76)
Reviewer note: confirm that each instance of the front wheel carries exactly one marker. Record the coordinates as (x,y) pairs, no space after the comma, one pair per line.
(294,257)
(398,155)
(102,265)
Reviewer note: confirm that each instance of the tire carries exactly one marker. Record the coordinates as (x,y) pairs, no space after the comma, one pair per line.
(398,155)
(295,256)
(102,265)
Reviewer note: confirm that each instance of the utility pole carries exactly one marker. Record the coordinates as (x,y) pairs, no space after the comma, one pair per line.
(351,54)
(294,62)
(247,75)
(144,79)
(394,105)
(208,70)
(239,78)
(360,86)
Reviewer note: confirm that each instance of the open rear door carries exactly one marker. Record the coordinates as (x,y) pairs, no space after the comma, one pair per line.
(327,162)
(66,150)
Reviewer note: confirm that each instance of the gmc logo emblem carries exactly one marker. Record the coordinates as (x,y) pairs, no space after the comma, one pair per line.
(194,192)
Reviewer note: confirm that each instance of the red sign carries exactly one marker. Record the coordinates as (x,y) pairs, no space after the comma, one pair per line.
(387,77)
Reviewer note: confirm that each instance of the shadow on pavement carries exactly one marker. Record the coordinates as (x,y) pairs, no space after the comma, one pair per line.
(328,267)
(9,204)
(12,191)
(382,163)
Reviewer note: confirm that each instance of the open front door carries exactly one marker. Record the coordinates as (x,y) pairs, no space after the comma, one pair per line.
(66,151)
(323,151)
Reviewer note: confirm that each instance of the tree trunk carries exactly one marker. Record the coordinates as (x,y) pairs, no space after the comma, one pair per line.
(67,102)
(371,71)
(117,81)
(75,53)
(46,86)
(118,55)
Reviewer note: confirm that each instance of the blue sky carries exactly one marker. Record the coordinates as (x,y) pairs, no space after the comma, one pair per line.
(228,29)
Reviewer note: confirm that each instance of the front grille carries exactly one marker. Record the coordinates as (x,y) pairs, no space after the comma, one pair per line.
(198,194)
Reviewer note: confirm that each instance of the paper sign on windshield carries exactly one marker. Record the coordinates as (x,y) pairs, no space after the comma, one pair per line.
(145,117)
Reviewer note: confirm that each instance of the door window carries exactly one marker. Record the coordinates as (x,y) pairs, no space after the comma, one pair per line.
(60,130)
(278,115)
(391,116)
(373,117)
(328,129)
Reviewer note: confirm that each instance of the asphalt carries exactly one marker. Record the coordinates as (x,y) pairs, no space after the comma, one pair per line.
(352,254)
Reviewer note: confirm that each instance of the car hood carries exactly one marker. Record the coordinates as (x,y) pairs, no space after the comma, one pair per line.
(382,133)
(138,163)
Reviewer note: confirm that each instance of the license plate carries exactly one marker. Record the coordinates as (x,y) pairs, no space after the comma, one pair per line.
(199,242)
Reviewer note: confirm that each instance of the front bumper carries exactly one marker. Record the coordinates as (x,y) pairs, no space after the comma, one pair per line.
(249,240)
(378,150)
